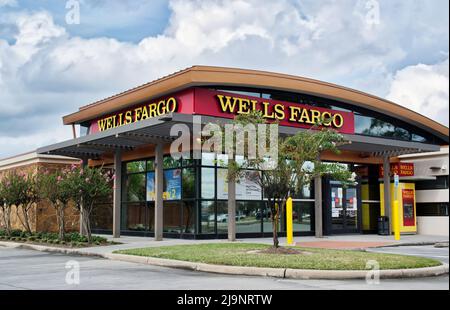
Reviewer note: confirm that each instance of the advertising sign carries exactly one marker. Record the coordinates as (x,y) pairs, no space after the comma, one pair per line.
(408,207)
(172,185)
(401,169)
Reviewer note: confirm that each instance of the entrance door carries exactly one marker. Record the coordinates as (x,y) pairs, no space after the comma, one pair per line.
(345,209)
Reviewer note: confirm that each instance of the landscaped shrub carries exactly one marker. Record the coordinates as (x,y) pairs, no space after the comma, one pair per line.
(73,239)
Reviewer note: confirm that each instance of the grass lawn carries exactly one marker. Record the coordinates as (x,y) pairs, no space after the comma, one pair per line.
(236,254)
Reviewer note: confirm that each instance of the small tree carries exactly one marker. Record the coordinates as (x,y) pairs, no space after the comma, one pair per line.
(86,186)
(298,163)
(30,199)
(5,206)
(19,189)
(55,188)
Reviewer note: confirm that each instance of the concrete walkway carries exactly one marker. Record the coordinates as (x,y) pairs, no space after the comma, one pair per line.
(128,242)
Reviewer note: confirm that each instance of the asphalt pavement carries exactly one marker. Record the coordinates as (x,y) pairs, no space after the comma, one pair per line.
(22,269)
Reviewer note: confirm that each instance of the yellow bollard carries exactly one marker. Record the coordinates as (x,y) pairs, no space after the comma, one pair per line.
(289,219)
(396,220)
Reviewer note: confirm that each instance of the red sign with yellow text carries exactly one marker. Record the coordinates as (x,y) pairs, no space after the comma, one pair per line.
(201,101)
(227,105)
(401,169)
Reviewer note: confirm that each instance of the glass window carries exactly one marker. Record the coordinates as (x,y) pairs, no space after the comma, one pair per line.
(266,215)
(207,217)
(172,217)
(136,166)
(208,159)
(302,215)
(169,162)
(188,182)
(418,138)
(222,217)
(247,219)
(150,165)
(134,216)
(306,193)
(188,218)
(208,183)
(441,182)
(136,187)
(432,209)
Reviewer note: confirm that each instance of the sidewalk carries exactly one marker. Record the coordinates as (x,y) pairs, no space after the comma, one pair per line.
(339,242)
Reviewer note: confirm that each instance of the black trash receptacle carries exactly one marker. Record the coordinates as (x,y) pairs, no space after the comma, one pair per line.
(383,225)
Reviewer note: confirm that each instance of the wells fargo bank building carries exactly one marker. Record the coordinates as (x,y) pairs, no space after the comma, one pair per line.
(156,195)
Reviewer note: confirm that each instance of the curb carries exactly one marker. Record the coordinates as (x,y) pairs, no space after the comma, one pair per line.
(44,248)
(284,273)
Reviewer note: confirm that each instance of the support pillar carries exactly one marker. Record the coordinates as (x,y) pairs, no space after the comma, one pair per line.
(117,200)
(387,190)
(231,211)
(159,192)
(318,207)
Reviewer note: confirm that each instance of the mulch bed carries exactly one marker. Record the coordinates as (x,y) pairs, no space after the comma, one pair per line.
(280,250)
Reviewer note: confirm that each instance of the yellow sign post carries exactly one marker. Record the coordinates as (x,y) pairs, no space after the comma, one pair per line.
(289,220)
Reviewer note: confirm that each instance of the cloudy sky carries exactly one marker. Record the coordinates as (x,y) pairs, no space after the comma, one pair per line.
(50,64)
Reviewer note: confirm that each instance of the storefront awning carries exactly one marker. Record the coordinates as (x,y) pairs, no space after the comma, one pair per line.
(157,130)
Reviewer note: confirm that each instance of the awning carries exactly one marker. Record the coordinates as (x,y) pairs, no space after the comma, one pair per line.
(157,130)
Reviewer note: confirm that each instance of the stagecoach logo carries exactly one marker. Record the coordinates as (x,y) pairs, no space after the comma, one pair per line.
(276,111)
(138,114)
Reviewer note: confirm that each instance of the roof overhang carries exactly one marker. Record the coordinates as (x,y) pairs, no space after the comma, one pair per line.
(205,75)
(158,130)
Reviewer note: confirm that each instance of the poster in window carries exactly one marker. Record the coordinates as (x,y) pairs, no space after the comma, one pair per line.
(150,186)
(408,207)
(171,186)
(247,188)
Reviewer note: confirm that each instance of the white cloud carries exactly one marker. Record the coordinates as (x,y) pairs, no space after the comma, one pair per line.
(46,73)
(424,89)
(8,3)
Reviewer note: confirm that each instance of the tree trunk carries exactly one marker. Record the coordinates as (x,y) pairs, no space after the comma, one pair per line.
(61,222)
(87,224)
(274,209)
(6,213)
(25,221)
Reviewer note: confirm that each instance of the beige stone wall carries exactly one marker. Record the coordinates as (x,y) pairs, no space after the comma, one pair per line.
(43,215)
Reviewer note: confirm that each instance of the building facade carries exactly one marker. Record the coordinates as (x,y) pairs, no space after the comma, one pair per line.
(157,195)
(431,184)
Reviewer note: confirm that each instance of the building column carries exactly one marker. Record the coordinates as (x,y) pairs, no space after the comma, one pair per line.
(318,207)
(159,192)
(231,211)
(117,199)
(387,189)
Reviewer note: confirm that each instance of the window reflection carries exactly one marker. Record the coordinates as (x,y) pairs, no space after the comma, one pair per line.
(208,183)
(207,217)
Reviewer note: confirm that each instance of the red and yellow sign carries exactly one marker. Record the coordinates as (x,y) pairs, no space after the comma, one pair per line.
(409,217)
(136,114)
(202,101)
(401,169)
(227,105)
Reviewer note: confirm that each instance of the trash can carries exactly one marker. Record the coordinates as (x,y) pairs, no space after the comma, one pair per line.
(383,225)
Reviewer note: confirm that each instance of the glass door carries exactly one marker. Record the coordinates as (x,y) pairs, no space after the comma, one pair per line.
(344,209)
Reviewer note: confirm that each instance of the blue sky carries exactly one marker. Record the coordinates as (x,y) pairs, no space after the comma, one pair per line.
(394,49)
